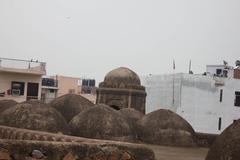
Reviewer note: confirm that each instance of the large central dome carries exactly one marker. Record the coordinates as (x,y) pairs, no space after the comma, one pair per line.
(121,78)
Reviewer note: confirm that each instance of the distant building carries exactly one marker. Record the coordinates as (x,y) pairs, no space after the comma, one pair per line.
(88,89)
(67,85)
(209,102)
(20,80)
(56,86)
(88,86)
(49,89)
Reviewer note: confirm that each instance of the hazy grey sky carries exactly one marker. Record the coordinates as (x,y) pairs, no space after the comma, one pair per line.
(90,37)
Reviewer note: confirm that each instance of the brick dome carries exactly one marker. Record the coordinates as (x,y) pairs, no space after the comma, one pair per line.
(5,104)
(121,77)
(70,105)
(165,127)
(227,144)
(101,122)
(36,116)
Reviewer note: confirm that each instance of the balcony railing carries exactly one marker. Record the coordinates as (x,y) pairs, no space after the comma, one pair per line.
(22,66)
(49,82)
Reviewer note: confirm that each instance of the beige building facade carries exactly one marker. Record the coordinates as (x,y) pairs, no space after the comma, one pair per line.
(67,85)
(20,80)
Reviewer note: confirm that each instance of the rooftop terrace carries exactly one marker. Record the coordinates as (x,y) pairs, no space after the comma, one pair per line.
(22,66)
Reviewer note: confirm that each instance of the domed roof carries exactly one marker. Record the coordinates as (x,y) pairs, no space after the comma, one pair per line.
(227,144)
(5,104)
(121,78)
(36,116)
(101,122)
(164,127)
(70,105)
(131,114)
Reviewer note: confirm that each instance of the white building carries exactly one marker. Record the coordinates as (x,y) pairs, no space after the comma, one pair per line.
(20,80)
(209,102)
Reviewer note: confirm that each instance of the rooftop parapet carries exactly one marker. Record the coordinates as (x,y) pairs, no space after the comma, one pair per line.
(22,66)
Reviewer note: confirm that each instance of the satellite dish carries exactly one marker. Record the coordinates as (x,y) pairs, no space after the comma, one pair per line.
(225,62)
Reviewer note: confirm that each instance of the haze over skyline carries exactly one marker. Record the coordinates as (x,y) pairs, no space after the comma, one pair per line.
(90,38)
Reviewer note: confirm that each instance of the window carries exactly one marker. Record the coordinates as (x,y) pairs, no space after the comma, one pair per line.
(88,82)
(219,123)
(237,99)
(18,88)
(225,73)
(221,95)
(2,94)
(218,71)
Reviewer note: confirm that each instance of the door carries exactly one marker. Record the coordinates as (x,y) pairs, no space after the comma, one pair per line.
(32,91)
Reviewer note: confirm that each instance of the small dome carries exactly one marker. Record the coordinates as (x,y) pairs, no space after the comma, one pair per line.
(101,122)
(70,105)
(36,116)
(227,144)
(121,78)
(164,127)
(5,104)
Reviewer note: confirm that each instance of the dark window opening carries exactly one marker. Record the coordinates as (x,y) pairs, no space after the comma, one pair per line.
(49,82)
(18,88)
(237,99)
(51,90)
(88,86)
(2,94)
(219,123)
(234,120)
(115,107)
(225,73)
(221,95)
(218,71)
(88,82)
(32,91)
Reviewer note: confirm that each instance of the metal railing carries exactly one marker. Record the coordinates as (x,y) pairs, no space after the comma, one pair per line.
(22,64)
(49,82)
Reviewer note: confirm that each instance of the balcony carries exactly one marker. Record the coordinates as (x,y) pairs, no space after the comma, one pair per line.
(22,66)
(49,83)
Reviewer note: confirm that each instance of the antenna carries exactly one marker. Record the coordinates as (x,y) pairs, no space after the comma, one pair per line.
(190,67)
(173,87)
(225,63)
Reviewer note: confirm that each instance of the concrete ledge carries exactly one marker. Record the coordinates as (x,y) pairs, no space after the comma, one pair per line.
(44,150)
(21,144)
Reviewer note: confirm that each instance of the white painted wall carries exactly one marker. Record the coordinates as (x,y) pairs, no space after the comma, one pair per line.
(6,79)
(197,99)
(159,90)
(212,68)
